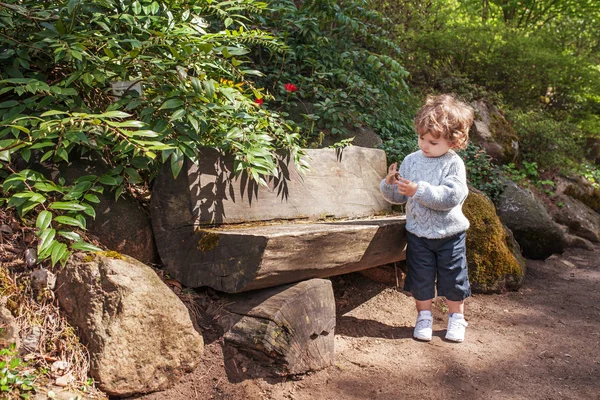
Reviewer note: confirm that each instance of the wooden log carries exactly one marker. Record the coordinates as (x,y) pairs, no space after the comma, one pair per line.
(290,328)
(239,259)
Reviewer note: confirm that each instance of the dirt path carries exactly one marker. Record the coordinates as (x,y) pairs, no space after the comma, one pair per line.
(542,342)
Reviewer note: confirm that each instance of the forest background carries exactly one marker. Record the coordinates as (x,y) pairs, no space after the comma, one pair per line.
(257,78)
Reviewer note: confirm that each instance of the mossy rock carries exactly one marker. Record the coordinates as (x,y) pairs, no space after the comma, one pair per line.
(590,198)
(494,133)
(495,261)
(505,135)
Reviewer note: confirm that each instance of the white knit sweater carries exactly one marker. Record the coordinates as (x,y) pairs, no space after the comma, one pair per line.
(435,211)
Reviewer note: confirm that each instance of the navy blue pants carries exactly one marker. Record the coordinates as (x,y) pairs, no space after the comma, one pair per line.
(437,263)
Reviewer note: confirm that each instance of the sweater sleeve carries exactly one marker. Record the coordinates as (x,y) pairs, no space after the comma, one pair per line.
(391,194)
(449,194)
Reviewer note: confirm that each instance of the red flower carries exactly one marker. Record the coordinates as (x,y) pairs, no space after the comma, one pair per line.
(290,87)
(259,101)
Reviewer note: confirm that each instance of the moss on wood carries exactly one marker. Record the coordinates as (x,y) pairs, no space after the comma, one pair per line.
(208,241)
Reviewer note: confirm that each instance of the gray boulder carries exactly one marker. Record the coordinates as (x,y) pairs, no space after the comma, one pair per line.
(139,334)
(494,133)
(533,228)
(580,220)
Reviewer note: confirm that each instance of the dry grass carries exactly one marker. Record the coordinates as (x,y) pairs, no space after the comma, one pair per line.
(48,336)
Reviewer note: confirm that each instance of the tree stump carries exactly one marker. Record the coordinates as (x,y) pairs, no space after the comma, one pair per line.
(289,328)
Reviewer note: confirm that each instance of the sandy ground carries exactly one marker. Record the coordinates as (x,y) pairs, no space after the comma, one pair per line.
(542,342)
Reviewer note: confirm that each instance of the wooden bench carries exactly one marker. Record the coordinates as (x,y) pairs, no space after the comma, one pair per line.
(213,229)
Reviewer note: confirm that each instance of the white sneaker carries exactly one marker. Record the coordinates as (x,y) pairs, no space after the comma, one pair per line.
(456,328)
(424,326)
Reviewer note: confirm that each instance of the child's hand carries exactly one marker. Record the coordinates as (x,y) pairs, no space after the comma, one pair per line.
(407,187)
(392,176)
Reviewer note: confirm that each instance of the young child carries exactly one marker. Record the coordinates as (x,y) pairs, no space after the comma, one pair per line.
(433,183)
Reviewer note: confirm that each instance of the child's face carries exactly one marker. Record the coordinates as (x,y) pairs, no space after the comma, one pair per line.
(432,147)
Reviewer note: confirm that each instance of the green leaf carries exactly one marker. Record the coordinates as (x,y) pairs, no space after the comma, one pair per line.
(134,176)
(209,88)
(21,128)
(92,198)
(62,153)
(58,252)
(89,210)
(177,115)
(53,112)
(63,219)
(46,238)
(114,114)
(8,104)
(26,154)
(66,205)
(196,84)
(108,180)
(46,187)
(42,255)
(71,5)
(171,103)
(144,133)
(85,246)
(43,220)
(126,124)
(136,7)
(176,162)
(70,235)
(81,219)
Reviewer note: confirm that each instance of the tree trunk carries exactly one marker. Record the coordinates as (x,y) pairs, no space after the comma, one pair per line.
(290,328)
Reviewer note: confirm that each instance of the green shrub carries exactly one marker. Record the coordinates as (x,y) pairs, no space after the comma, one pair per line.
(15,380)
(344,65)
(552,145)
(528,70)
(57,63)
(482,174)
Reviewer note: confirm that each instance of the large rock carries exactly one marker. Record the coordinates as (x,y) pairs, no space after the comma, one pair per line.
(580,220)
(593,149)
(361,136)
(495,261)
(494,133)
(533,228)
(581,189)
(139,334)
(122,225)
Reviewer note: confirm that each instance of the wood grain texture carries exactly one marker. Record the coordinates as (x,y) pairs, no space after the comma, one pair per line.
(341,183)
(290,327)
(237,260)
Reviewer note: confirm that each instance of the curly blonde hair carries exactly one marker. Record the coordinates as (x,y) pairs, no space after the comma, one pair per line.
(446,117)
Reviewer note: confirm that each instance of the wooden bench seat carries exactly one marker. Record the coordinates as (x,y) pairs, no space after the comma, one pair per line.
(331,221)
